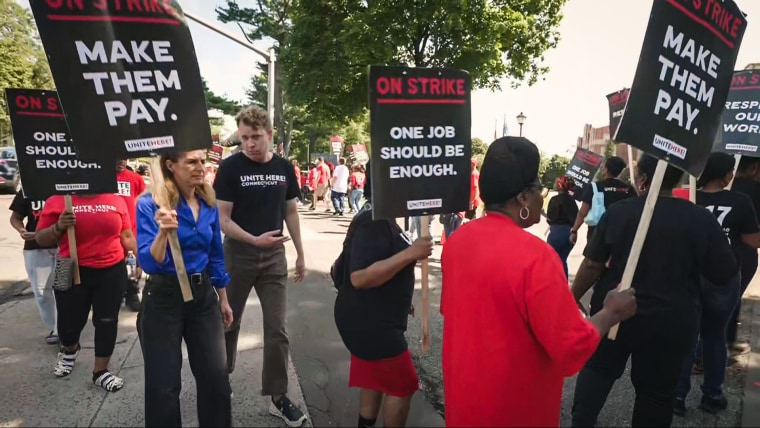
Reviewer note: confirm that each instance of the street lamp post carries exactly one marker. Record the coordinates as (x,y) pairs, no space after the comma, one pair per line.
(520,121)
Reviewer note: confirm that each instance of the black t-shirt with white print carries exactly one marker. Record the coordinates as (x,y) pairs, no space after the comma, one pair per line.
(29,210)
(734,212)
(372,321)
(684,243)
(614,190)
(257,190)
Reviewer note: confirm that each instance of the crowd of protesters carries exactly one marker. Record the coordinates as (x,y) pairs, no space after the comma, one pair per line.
(523,323)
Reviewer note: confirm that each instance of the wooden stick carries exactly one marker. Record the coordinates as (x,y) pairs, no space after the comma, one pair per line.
(425,226)
(692,189)
(71,232)
(158,190)
(737,159)
(641,233)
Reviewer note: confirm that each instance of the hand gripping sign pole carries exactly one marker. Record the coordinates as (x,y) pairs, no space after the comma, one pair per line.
(72,241)
(641,233)
(158,190)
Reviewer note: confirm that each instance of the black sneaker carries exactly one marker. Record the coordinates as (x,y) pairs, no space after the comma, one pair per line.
(286,410)
(679,407)
(713,405)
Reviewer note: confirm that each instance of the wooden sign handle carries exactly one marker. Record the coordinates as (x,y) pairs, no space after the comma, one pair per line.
(162,200)
(641,233)
(425,231)
(71,233)
(692,189)
(737,159)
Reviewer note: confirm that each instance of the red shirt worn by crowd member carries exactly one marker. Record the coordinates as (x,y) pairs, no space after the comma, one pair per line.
(297,171)
(511,329)
(313,177)
(324,174)
(474,188)
(357,180)
(130,186)
(100,221)
(681,192)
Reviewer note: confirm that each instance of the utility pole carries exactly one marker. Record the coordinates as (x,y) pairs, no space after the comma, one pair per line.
(268,56)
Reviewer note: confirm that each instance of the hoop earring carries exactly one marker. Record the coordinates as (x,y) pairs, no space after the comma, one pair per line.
(643,188)
(527,213)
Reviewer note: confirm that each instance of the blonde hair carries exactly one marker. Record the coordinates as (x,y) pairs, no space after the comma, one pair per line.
(204,191)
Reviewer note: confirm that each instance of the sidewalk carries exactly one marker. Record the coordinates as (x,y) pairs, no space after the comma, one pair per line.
(33,396)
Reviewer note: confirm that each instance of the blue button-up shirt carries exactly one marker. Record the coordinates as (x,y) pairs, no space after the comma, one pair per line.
(201,241)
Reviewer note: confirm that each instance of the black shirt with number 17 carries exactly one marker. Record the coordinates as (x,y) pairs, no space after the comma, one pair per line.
(734,212)
(257,190)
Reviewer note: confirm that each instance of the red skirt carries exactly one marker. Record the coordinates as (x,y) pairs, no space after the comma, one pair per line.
(393,376)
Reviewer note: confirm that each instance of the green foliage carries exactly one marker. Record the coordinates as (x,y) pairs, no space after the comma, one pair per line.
(23,63)
(220,102)
(551,168)
(479,149)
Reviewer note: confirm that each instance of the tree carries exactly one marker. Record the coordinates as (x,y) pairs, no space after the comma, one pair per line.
(333,41)
(479,149)
(552,168)
(220,102)
(22,59)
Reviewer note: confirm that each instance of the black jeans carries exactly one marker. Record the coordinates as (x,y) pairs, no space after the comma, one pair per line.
(100,289)
(164,320)
(656,354)
(749,268)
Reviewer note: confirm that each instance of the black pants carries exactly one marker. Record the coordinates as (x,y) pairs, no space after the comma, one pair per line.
(749,268)
(101,290)
(656,354)
(164,320)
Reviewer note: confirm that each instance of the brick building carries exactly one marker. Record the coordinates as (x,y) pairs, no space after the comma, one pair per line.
(595,140)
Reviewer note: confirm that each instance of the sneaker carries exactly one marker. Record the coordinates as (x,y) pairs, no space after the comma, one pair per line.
(713,405)
(286,410)
(679,407)
(739,348)
(65,364)
(51,339)
(132,301)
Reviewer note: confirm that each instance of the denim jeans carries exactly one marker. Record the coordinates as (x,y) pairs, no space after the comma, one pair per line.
(355,199)
(415,228)
(559,239)
(39,265)
(163,322)
(338,202)
(718,303)
(448,229)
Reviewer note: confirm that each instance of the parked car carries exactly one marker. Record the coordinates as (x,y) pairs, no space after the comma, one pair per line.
(9,176)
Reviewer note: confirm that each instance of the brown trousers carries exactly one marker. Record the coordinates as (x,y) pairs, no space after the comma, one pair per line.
(266,270)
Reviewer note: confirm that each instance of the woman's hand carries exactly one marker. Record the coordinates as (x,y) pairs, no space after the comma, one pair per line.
(167,219)
(226,313)
(66,220)
(422,248)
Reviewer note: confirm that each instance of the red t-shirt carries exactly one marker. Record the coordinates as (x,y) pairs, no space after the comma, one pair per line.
(507,308)
(130,186)
(297,171)
(100,221)
(357,180)
(475,188)
(324,174)
(681,192)
(312,180)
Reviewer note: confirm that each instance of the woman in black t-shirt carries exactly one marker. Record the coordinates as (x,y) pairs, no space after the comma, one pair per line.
(561,215)
(736,215)
(683,244)
(371,314)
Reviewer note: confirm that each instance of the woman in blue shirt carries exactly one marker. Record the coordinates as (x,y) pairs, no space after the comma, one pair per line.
(165,319)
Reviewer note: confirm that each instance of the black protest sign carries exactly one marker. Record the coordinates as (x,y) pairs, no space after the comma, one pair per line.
(421,147)
(740,130)
(48,162)
(617,101)
(126,74)
(583,167)
(682,80)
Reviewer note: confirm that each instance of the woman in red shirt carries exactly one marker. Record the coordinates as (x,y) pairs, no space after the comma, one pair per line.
(512,331)
(103,235)
(357,188)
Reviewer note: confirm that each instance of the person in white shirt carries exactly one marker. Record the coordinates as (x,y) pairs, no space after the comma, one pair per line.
(340,186)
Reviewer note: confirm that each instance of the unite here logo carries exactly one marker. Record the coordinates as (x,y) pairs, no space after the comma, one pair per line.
(669,146)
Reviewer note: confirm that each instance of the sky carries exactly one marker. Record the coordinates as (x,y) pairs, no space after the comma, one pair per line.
(597,55)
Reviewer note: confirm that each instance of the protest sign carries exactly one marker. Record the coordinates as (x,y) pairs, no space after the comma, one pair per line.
(214,154)
(421,147)
(682,80)
(582,168)
(127,76)
(47,160)
(617,101)
(740,128)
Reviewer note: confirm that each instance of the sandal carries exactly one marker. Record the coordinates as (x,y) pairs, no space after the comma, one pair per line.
(65,364)
(109,382)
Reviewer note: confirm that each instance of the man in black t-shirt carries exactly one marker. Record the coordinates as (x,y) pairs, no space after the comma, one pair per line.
(39,261)
(613,188)
(256,191)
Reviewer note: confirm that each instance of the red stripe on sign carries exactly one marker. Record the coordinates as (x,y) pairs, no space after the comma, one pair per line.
(417,101)
(39,113)
(113,18)
(702,22)
(743,88)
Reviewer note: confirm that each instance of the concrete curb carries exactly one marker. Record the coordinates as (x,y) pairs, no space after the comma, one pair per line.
(751,408)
